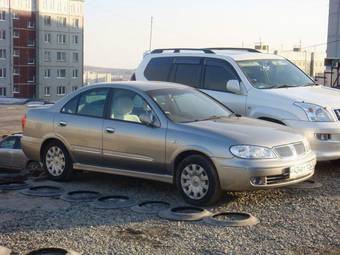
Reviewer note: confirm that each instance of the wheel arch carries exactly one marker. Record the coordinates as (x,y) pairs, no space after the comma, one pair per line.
(49,140)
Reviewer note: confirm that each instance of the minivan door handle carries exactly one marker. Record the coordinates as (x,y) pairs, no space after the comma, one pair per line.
(63,123)
(110,130)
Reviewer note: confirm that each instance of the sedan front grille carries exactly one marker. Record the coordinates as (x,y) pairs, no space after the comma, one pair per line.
(290,150)
(337,113)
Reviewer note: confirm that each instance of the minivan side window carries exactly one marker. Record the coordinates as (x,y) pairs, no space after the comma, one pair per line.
(188,71)
(158,69)
(217,74)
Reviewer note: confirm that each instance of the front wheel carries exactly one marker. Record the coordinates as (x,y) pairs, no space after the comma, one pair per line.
(57,162)
(197,181)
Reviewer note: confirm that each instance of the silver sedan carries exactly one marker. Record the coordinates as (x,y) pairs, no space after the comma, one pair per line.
(165,132)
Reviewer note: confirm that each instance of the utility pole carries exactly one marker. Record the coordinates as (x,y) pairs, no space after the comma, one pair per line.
(151,28)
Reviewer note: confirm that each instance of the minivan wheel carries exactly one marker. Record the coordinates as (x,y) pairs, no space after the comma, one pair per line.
(57,162)
(197,181)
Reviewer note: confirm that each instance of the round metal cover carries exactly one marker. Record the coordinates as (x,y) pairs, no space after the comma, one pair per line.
(151,207)
(232,219)
(53,251)
(113,202)
(80,196)
(309,184)
(185,213)
(43,191)
(14,185)
(5,251)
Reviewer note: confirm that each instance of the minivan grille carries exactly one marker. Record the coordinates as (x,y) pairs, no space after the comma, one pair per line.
(337,113)
(290,150)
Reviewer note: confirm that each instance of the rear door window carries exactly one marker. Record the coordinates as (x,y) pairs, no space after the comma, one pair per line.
(92,103)
(188,71)
(158,69)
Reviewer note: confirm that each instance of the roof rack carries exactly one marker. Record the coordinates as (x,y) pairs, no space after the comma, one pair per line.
(236,49)
(178,50)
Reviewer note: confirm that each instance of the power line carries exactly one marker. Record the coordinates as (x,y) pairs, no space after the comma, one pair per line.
(315,45)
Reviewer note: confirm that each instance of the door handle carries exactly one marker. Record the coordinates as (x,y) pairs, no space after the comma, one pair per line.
(110,130)
(63,123)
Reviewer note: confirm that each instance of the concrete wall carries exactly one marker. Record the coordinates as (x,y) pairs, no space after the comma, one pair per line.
(333,46)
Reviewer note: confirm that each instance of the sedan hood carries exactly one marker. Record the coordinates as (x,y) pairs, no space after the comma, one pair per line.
(249,131)
(320,95)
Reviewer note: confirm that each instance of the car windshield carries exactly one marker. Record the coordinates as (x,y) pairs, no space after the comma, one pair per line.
(274,73)
(188,105)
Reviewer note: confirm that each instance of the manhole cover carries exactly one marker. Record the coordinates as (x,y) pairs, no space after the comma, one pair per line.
(185,213)
(53,251)
(5,251)
(43,191)
(113,202)
(232,219)
(309,184)
(80,196)
(13,186)
(151,207)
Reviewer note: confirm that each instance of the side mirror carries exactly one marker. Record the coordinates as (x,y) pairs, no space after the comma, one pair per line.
(234,86)
(149,119)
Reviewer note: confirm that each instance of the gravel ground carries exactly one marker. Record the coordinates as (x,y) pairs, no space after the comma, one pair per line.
(291,221)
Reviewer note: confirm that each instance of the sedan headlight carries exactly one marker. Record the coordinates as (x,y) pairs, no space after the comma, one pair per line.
(252,152)
(315,112)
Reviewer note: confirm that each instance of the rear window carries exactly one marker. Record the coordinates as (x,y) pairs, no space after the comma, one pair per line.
(158,69)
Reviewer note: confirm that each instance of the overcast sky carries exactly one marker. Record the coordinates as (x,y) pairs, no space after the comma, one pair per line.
(117,31)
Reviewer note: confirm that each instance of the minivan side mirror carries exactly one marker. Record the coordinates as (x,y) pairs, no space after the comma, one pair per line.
(233,86)
(149,119)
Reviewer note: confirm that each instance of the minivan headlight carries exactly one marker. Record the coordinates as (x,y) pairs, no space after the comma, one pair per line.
(252,152)
(314,112)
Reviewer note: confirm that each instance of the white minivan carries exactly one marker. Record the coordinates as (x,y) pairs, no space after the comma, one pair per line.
(254,84)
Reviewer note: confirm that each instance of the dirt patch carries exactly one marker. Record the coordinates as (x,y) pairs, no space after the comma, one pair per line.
(10,118)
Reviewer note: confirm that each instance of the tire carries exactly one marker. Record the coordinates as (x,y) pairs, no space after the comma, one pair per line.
(57,162)
(197,181)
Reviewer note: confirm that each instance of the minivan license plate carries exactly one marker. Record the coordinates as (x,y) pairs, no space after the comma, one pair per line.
(301,170)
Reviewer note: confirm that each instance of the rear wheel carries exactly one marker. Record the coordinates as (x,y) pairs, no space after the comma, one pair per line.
(197,180)
(57,162)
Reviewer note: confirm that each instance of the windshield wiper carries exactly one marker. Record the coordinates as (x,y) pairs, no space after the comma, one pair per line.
(310,85)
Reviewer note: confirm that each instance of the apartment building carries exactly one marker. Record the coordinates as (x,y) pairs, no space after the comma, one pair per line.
(41,48)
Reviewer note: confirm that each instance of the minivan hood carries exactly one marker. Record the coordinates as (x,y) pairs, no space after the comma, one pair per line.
(249,131)
(319,95)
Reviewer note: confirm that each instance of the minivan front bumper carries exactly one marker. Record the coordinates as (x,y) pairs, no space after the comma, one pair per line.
(325,149)
(236,174)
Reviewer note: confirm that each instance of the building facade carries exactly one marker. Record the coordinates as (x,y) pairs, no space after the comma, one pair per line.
(43,48)
(91,77)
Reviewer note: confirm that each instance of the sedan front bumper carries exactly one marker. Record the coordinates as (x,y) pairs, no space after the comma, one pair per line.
(328,149)
(236,174)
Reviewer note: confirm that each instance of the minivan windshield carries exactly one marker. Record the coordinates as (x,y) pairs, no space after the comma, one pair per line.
(274,73)
(188,105)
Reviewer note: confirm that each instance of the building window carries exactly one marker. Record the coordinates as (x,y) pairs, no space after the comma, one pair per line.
(76,23)
(61,56)
(75,57)
(74,88)
(31,61)
(3,53)
(47,20)
(16,71)
(61,21)
(16,34)
(2,72)
(2,15)
(30,24)
(75,73)
(47,91)
(47,56)
(15,16)
(2,34)
(61,73)
(75,39)
(61,38)
(47,37)
(47,73)
(31,43)
(16,53)
(32,79)
(16,90)
(2,91)
(61,90)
